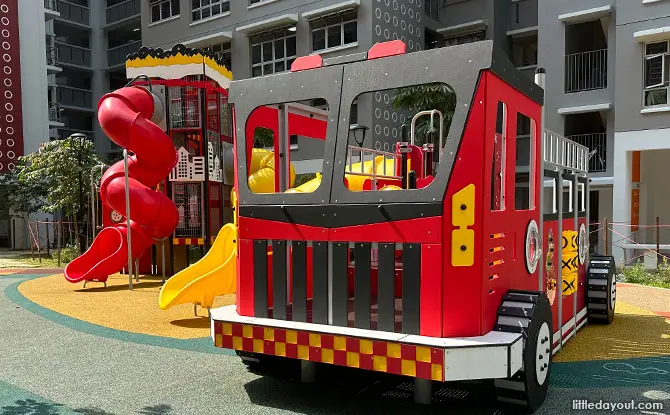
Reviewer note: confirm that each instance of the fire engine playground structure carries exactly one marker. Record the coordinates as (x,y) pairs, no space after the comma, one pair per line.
(457,255)
(457,259)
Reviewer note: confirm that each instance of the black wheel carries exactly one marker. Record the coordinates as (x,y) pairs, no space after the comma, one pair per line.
(528,313)
(267,364)
(601,291)
(255,361)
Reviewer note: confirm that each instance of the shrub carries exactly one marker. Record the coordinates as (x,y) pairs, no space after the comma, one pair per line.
(69,252)
(636,274)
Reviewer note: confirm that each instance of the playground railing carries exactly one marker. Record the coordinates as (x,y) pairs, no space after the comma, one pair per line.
(368,154)
(564,152)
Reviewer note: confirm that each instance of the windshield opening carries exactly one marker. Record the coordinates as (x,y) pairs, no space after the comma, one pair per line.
(395,140)
(285,146)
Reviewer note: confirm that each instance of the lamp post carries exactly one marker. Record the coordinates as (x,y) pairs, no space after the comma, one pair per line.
(354,129)
(81,141)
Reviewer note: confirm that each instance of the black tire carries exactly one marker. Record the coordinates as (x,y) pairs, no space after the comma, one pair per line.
(528,313)
(268,364)
(601,289)
(255,361)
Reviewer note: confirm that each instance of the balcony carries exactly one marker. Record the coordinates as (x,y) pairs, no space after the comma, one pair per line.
(50,9)
(122,11)
(586,71)
(117,56)
(80,98)
(74,13)
(597,145)
(52,56)
(73,55)
(54,115)
(52,61)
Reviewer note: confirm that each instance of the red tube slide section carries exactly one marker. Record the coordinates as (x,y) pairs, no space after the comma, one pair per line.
(124,116)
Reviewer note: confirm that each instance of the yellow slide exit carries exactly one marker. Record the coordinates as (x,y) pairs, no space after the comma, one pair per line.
(215,274)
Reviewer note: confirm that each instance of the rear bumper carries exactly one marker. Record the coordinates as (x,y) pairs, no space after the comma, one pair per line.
(494,355)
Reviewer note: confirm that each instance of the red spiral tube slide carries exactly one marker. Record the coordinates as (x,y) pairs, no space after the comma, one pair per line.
(124,116)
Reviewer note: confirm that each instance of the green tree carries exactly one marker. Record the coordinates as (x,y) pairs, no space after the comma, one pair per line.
(263,138)
(53,179)
(20,200)
(427,97)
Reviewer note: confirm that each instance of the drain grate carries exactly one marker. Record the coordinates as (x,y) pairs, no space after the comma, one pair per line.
(406,386)
(449,393)
(472,382)
(396,394)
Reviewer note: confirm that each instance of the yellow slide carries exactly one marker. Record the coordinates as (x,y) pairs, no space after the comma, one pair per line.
(215,274)
(262,171)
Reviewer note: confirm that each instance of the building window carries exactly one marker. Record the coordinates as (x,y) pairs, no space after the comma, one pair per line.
(353,116)
(657,59)
(257,1)
(433,9)
(163,9)
(202,9)
(272,52)
(467,38)
(222,53)
(524,51)
(334,31)
(433,40)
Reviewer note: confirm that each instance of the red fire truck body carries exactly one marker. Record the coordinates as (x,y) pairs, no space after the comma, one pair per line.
(468,267)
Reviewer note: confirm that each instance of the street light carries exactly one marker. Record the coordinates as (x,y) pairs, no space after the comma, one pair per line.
(81,140)
(354,129)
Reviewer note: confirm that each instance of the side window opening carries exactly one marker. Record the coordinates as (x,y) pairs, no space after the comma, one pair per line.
(498,161)
(524,175)
(568,192)
(550,205)
(395,137)
(274,135)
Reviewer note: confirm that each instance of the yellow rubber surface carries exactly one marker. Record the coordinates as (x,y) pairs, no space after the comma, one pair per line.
(635,332)
(116,307)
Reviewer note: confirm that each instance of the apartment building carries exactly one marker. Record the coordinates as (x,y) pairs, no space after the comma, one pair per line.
(86,46)
(59,58)
(601,57)
(642,125)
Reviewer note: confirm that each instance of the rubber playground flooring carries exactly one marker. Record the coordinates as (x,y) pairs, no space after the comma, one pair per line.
(640,329)
(118,308)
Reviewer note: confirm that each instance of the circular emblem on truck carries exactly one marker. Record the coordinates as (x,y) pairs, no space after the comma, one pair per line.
(532,247)
(583,244)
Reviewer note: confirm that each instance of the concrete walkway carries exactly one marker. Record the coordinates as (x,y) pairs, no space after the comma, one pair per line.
(51,365)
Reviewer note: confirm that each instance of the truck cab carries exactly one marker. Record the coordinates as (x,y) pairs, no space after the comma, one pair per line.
(409,240)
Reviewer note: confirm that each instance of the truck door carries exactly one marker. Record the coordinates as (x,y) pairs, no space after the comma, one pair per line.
(511,220)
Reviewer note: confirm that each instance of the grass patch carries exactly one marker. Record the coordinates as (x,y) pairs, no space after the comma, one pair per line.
(638,274)
(28,261)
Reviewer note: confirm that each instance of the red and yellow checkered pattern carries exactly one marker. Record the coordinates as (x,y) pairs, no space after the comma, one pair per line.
(381,356)
(188,241)
(191,241)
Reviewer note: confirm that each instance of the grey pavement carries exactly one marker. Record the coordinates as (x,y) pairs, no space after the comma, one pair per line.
(46,368)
